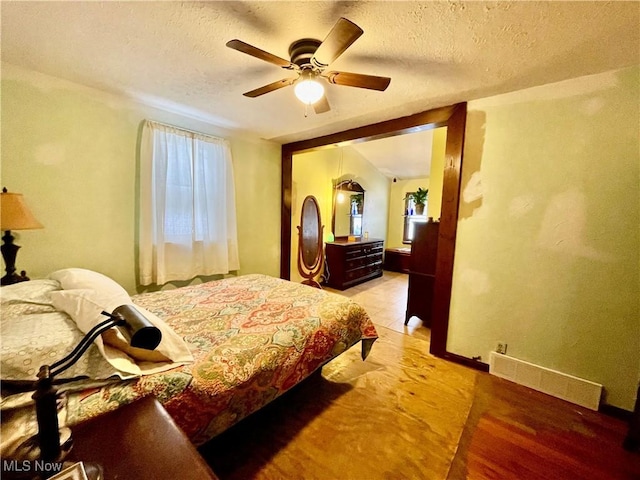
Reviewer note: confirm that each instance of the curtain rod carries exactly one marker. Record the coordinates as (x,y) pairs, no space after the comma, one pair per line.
(184,129)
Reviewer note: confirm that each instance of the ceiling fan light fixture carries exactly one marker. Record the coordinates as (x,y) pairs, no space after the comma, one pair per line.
(308,90)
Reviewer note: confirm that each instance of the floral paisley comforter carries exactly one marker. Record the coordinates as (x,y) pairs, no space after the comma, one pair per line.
(253,337)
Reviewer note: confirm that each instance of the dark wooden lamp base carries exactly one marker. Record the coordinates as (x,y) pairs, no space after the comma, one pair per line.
(9,253)
(14,278)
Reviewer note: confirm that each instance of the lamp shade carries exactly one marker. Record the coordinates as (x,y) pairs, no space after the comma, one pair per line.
(307,88)
(309,91)
(14,213)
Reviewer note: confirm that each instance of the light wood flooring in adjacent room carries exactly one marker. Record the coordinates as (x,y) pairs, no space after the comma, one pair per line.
(385,300)
(404,414)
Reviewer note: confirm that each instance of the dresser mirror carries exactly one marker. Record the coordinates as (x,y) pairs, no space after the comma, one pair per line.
(348,209)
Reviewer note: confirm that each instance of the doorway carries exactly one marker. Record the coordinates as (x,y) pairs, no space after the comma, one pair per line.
(454,118)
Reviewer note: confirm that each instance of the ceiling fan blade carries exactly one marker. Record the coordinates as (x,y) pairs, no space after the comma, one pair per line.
(243,47)
(322,105)
(270,88)
(341,36)
(358,80)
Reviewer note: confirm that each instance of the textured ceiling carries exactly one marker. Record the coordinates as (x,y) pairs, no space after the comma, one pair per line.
(437,53)
(408,156)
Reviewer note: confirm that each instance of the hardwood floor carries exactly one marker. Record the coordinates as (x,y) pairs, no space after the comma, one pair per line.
(513,432)
(404,414)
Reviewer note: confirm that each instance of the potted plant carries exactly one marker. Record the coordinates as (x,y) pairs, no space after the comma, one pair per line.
(419,198)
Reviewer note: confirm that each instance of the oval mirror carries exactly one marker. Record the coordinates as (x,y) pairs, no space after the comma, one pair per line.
(310,233)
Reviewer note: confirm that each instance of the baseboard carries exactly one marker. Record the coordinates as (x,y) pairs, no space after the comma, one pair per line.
(561,385)
(615,412)
(467,362)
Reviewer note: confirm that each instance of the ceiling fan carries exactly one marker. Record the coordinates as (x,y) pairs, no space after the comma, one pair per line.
(309,59)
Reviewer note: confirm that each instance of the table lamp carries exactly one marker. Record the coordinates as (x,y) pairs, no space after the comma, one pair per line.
(14,215)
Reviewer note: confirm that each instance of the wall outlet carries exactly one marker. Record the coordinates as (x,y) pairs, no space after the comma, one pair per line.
(501,348)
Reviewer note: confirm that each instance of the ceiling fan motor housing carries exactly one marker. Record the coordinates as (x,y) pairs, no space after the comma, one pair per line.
(301,51)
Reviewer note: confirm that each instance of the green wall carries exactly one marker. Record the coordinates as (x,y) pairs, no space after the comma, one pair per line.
(72,151)
(548,246)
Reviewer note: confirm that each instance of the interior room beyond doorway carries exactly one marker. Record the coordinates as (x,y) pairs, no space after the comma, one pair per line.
(385,300)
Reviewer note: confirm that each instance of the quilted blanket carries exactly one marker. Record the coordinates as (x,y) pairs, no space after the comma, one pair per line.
(253,337)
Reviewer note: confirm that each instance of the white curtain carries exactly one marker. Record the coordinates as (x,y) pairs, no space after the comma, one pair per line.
(187,206)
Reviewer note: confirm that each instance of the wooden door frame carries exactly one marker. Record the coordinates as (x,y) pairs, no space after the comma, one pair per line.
(454,118)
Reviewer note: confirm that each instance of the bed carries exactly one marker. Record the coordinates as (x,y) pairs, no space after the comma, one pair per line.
(252,338)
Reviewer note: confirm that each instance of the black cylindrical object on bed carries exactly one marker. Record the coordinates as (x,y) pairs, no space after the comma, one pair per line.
(140,332)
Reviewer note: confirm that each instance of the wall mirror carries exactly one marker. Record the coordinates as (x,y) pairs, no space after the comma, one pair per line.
(348,209)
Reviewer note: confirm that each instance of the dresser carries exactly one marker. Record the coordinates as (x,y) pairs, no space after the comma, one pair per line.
(422,271)
(350,263)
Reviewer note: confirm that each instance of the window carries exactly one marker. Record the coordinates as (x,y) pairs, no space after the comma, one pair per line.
(411,218)
(187,205)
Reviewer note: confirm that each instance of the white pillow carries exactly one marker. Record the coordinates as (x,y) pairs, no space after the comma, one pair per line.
(80,278)
(33,333)
(84,306)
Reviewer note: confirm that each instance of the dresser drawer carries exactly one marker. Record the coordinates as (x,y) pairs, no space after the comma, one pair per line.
(348,263)
(364,249)
(355,262)
(363,259)
(363,272)
(351,253)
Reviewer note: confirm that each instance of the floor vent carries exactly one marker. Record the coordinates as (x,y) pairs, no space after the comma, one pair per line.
(572,389)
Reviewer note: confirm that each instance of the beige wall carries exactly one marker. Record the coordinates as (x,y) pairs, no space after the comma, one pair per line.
(548,246)
(433,182)
(436,176)
(315,173)
(397,194)
(72,151)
